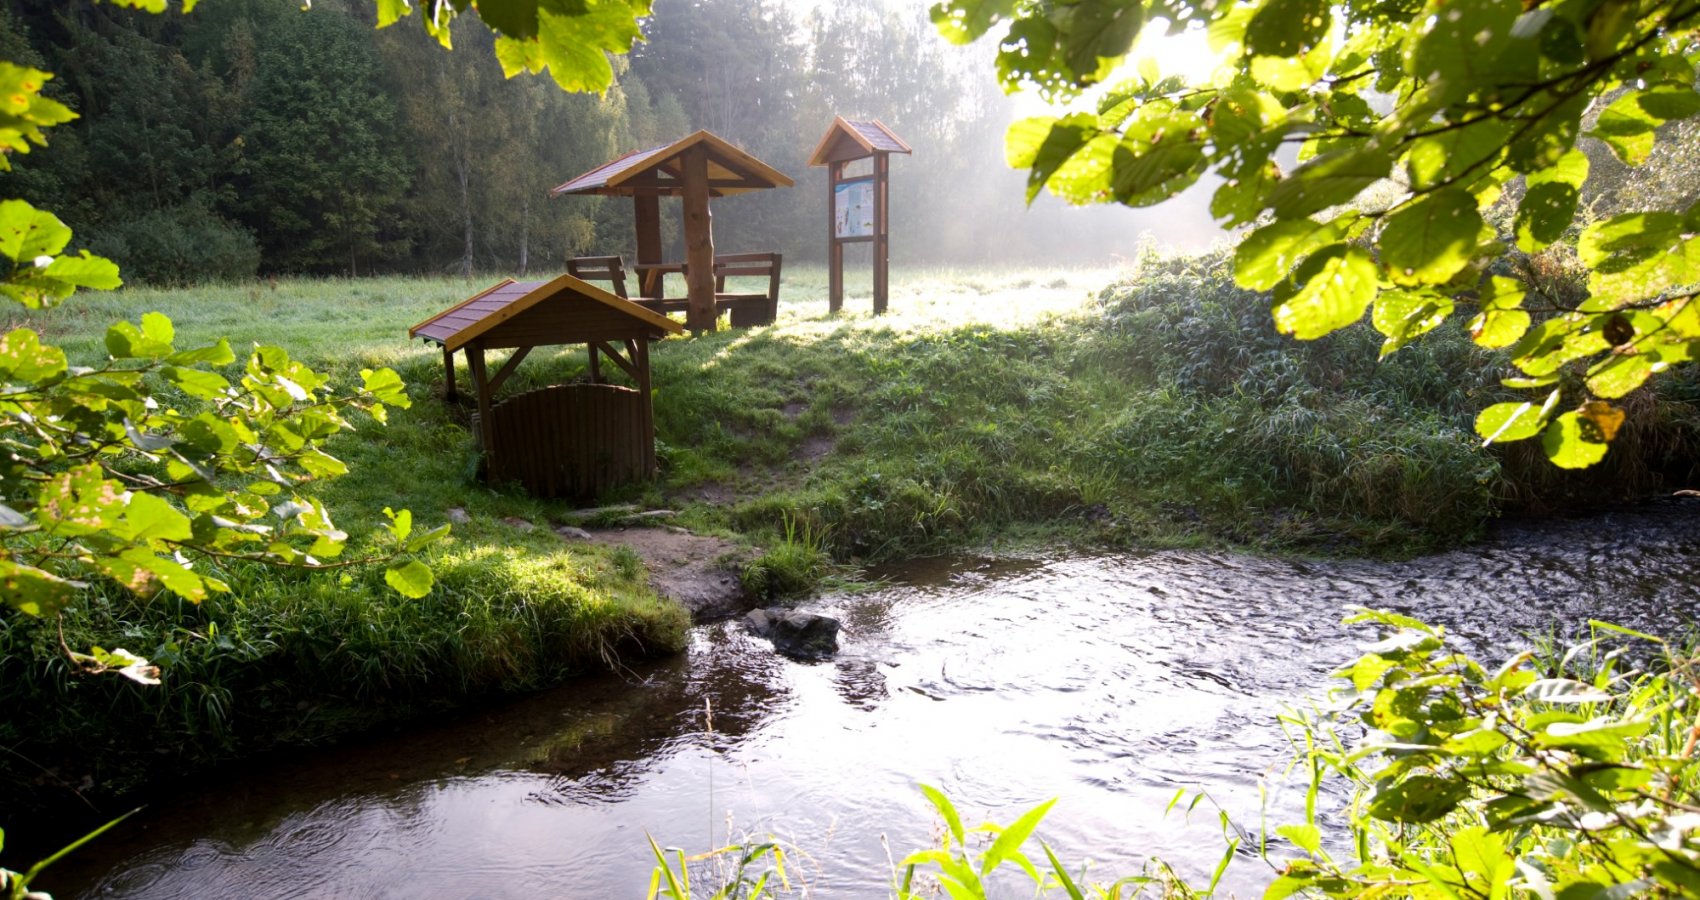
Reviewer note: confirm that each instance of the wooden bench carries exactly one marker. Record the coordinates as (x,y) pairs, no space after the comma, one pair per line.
(611,269)
(745,309)
(748,309)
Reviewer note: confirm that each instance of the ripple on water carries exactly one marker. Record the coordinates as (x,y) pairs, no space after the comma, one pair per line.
(1109,682)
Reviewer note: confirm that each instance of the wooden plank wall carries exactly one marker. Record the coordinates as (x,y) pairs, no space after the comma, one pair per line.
(570,440)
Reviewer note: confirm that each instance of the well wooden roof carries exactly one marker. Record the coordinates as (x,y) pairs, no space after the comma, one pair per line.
(659,170)
(845,139)
(563,311)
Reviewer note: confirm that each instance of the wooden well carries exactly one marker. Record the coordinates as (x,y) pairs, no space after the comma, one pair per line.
(565,440)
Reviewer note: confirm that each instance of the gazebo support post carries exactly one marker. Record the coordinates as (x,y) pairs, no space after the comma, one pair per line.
(481,383)
(595,364)
(450,394)
(646,215)
(699,242)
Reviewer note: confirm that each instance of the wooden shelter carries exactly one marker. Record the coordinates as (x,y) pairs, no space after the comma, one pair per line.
(859,205)
(567,439)
(695,168)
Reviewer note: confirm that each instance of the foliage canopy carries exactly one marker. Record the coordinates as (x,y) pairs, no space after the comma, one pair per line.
(1471,110)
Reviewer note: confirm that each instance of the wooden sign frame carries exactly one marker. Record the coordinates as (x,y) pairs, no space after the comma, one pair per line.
(846,142)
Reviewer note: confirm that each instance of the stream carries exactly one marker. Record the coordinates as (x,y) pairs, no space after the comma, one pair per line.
(1108,682)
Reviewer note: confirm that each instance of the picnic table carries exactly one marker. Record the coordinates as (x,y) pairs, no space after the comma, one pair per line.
(694,168)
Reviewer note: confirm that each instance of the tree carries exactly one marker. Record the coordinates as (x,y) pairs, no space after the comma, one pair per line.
(1453,101)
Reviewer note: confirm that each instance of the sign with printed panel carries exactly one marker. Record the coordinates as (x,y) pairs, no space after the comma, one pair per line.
(853,209)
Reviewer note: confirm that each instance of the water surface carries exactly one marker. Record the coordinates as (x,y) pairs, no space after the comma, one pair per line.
(1107,682)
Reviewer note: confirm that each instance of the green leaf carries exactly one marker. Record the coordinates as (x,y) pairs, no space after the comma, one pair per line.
(1602,738)
(24,360)
(1043,144)
(1567,444)
(946,810)
(1421,798)
(85,270)
(514,18)
(125,341)
(1621,373)
(1008,843)
(1550,203)
(1457,46)
(28,234)
(1405,315)
(1329,181)
(1456,153)
(1431,239)
(218,354)
(421,541)
(1328,292)
(1266,256)
(1287,27)
(1636,255)
(385,386)
(409,578)
(962,21)
(196,382)
(148,518)
(1503,422)
(33,591)
(1305,837)
(1564,690)
(1628,124)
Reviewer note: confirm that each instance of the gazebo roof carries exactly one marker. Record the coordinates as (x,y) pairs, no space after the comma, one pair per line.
(659,170)
(845,139)
(563,311)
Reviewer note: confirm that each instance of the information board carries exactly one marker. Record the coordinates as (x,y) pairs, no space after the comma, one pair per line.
(853,209)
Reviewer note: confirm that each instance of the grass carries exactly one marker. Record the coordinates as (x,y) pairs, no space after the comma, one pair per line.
(1151,406)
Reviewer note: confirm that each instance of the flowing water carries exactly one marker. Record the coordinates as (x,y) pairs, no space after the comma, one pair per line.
(1108,682)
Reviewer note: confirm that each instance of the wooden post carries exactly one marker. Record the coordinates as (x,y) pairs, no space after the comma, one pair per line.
(449,392)
(699,242)
(481,382)
(595,365)
(882,231)
(646,208)
(640,357)
(834,249)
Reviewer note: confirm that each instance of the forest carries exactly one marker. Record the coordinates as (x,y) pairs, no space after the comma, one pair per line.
(249,138)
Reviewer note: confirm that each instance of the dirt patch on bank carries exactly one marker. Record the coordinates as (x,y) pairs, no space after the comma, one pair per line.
(696,571)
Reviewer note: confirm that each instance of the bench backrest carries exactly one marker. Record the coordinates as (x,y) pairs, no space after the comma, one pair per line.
(611,269)
(748,264)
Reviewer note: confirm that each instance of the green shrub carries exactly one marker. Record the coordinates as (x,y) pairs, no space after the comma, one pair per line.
(179,245)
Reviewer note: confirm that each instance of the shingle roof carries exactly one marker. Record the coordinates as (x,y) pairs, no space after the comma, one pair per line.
(870,136)
(730,171)
(456,326)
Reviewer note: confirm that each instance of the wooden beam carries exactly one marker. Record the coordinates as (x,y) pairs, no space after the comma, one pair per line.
(834,249)
(449,392)
(481,382)
(699,242)
(508,368)
(647,216)
(595,364)
(614,355)
(640,356)
(882,230)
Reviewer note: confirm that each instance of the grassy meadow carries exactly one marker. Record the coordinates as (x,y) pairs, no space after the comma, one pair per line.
(1151,405)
